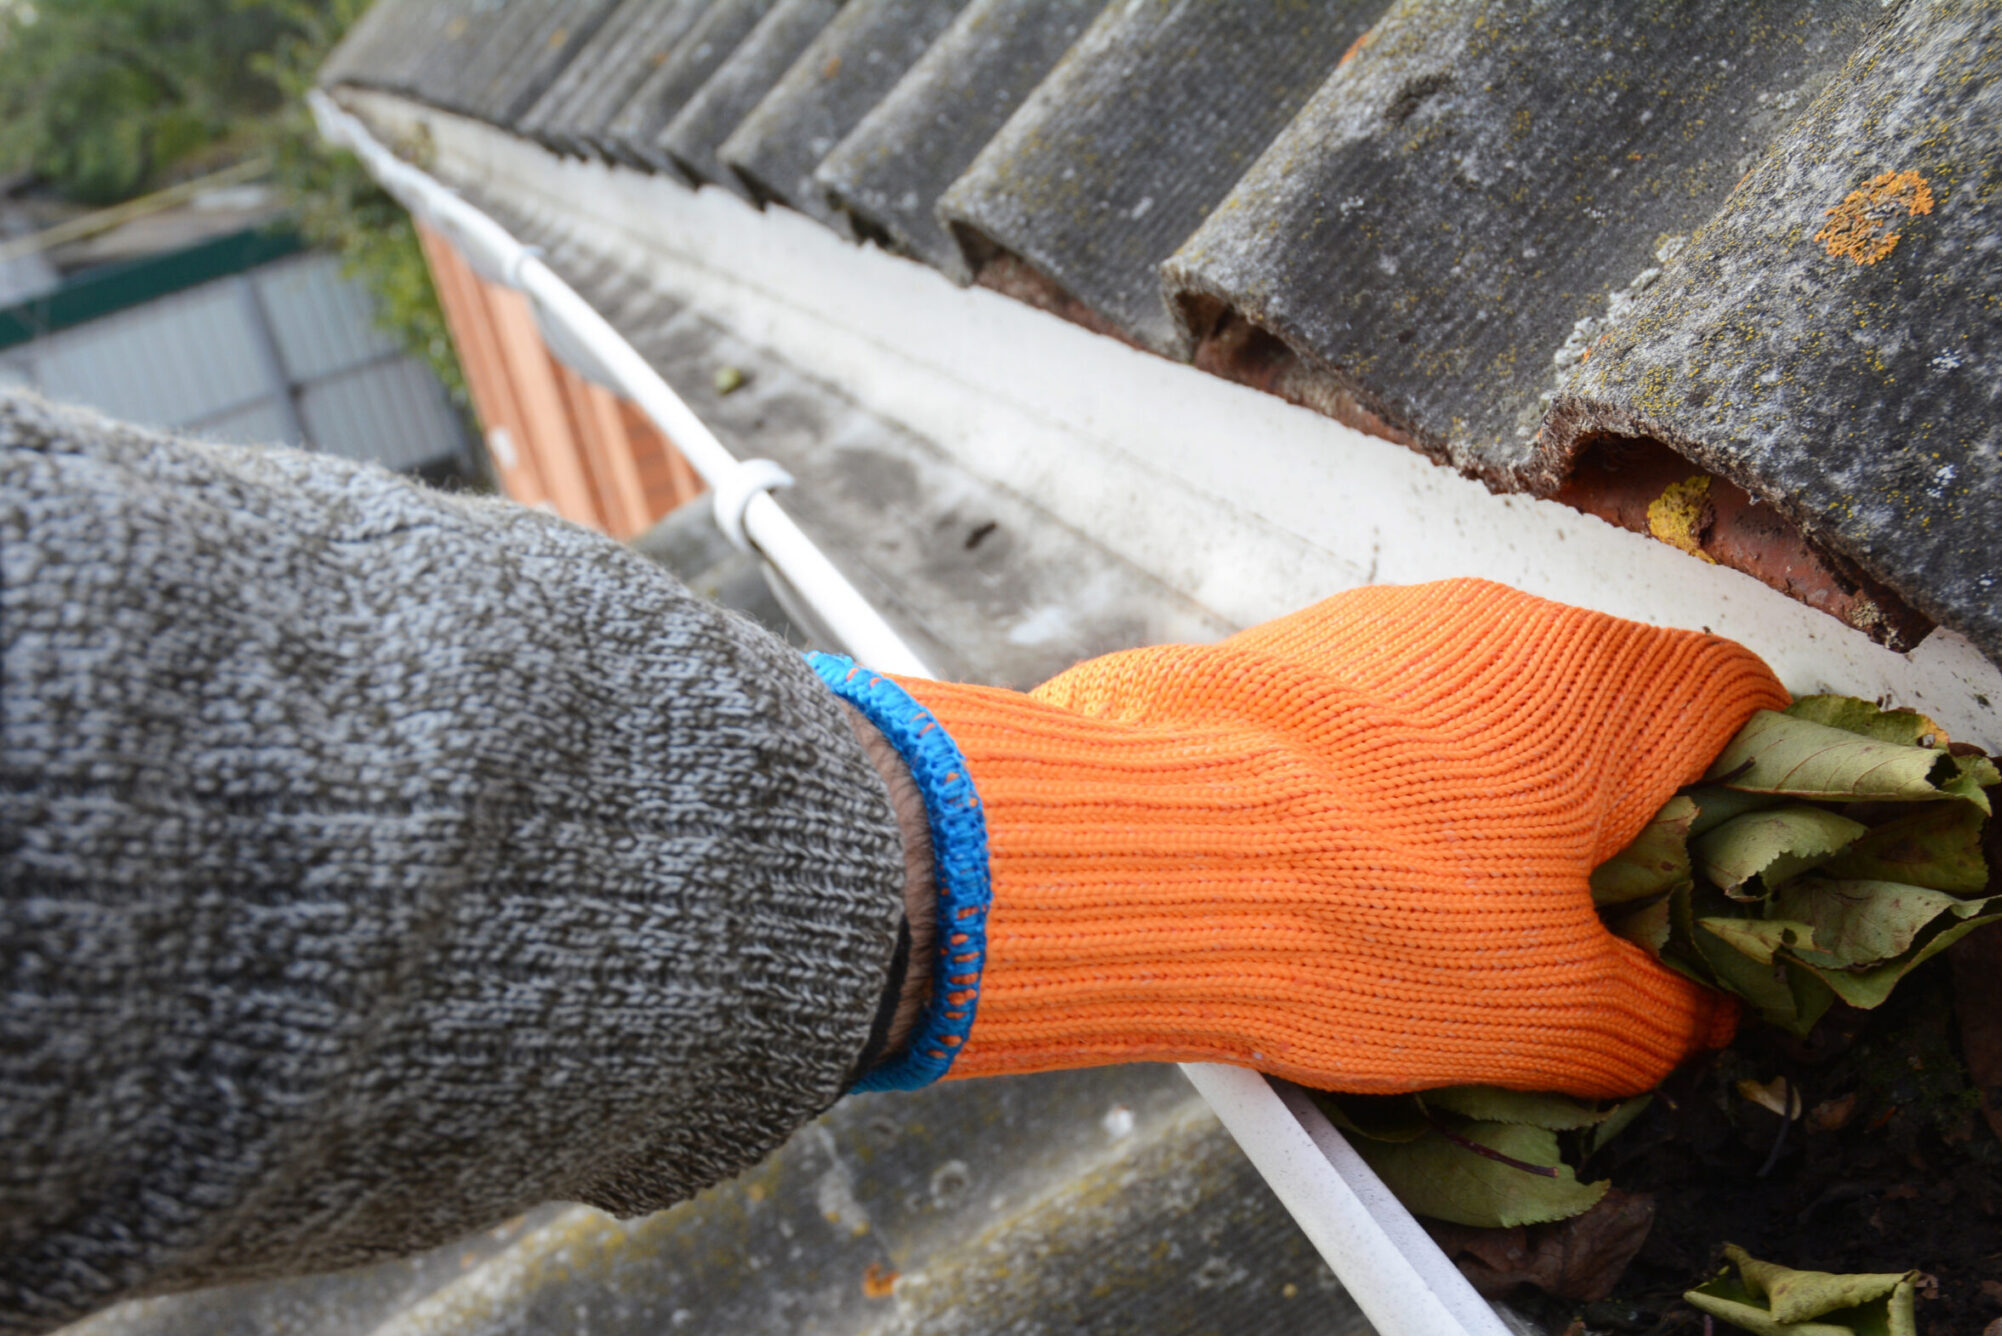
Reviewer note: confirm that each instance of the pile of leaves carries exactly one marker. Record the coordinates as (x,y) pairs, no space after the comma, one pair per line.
(1829,852)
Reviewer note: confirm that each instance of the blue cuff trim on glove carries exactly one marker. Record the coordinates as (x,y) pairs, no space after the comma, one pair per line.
(959,857)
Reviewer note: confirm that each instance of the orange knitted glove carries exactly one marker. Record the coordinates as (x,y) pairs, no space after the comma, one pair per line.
(1349,847)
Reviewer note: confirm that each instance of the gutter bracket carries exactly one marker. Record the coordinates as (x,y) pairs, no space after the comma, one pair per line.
(737,488)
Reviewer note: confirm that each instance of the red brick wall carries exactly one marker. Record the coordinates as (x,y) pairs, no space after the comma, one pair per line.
(557,439)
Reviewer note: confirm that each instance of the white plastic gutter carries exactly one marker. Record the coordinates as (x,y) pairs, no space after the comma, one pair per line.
(580,336)
(1396,1274)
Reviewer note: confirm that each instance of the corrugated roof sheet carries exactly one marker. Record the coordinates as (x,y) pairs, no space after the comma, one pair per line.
(1834,333)
(224,359)
(1137,134)
(847,69)
(1515,237)
(1482,184)
(888,174)
(738,86)
(395,40)
(499,40)
(634,132)
(632,42)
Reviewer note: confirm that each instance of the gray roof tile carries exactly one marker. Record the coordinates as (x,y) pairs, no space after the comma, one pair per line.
(1137,134)
(634,40)
(738,85)
(523,45)
(844,72)
(405,46)
(1481,180)
(889,173)
(634,133)
(1832,339)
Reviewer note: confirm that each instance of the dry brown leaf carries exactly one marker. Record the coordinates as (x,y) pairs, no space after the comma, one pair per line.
(1581,1258)
(1832,1115)
(1773,1096)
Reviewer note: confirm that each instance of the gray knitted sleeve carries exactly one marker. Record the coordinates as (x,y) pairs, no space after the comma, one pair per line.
(378,863)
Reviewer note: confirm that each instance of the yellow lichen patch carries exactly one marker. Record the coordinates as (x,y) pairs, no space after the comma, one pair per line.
(1859,228)
(1676,516)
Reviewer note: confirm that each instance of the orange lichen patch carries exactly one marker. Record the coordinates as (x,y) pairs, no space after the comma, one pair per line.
(1676,517)
(878,1281)
(1355,46)
(1859,228)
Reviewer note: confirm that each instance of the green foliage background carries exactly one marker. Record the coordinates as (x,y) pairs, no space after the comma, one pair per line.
(104,100)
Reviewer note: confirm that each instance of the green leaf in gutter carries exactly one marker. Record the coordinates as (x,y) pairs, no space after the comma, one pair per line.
(1618,1120)
(1656,861)
(1681,954)
(1867,988)
(1937,846)
(1812,997)
(1716,804)
(1492,1104)
(1478,1155)
(1760,939)
(1974,776)
(1376,1117)
(1785,992)
(1811,875)
(1437,1177)
(1776,753)
(1646,927)
(1771,1300)
(1764,985)
(1773,964)
(1863,923)
(1750,855)
(1907,728)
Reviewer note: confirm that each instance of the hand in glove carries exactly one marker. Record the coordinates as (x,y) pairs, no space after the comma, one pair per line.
(1349,847)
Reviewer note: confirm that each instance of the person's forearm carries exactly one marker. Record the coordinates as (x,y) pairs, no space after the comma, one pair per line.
(920,895)
(380,863)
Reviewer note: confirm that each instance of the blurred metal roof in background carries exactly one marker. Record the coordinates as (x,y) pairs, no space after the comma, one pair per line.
(287,351)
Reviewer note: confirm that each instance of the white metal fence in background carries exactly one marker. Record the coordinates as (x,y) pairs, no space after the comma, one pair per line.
(287,353)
